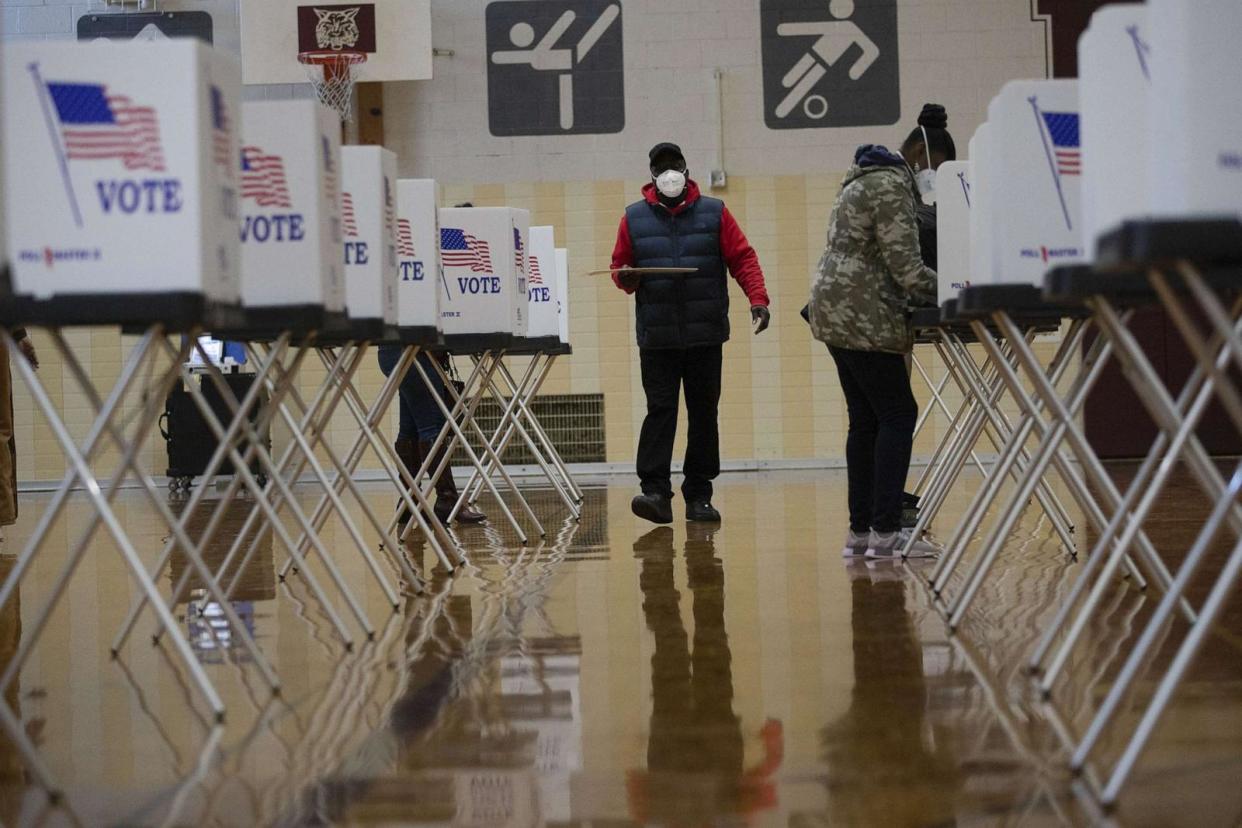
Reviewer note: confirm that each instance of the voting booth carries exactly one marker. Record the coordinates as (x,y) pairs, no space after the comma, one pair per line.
(952,229)
(541,286)
(562,293)
(1194,118)
(121,171)
(418,257)
(483,254)
(292,258)
(368,224)
(1114,86)
(980,214)
(1033,177)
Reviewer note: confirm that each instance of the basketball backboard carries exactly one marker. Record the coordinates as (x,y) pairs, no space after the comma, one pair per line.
(394,34)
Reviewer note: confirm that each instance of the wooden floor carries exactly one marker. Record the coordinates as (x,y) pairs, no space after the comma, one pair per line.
(613,675)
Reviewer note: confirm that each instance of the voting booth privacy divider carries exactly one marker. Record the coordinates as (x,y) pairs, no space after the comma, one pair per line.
(1034,165)
(980,213)
(1195,167)
(418,256)
(291,222)
(483,253)
(562,293)
(122,181)
(369,226)
(953,197)
(542,285)
(1114,87)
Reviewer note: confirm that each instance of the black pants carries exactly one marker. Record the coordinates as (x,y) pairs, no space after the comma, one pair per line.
(664,373)
(882,414)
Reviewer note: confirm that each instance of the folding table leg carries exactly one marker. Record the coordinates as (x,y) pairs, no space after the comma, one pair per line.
(409,491)
(937,392)
(343,480)
(226,449)
(189,548)
(310,459)
(993,482)
(549,448)
(1162,458)
(511,422)
(103,510)
(481,375)
(249,433)
(1048,452)
(1186,653)
(1090,463)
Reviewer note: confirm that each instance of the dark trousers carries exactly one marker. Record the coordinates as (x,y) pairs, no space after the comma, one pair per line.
(882,414)
(420,416)
(665,372)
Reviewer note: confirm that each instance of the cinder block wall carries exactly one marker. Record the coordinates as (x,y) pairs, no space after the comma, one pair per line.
(781,399)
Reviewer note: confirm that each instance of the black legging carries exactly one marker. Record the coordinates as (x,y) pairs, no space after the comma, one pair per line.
(882,414)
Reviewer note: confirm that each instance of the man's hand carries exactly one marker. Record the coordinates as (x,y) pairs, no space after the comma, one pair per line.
(28,351)
(759,318)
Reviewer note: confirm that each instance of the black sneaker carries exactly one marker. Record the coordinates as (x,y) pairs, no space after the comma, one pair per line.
(702,511)
(653,507)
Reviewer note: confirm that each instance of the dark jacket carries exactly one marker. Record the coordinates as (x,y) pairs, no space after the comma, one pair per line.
(691,310)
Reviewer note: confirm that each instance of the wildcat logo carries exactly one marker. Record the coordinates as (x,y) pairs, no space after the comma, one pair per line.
(337,29)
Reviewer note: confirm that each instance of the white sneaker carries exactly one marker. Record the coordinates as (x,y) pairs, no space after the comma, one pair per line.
(856,544)
(889,545)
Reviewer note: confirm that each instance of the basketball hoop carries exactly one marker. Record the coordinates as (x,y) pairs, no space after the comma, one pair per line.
(331,72)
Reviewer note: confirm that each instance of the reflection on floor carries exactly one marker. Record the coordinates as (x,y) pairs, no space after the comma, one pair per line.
(613,675)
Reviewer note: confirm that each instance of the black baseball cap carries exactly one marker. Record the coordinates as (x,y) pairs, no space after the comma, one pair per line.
(664,149)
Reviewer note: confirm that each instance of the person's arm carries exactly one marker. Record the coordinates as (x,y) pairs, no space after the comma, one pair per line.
(742,260)
(623,256)
(897,233)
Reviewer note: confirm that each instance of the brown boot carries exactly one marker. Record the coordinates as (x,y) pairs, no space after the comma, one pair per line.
(446,491)
(411,458)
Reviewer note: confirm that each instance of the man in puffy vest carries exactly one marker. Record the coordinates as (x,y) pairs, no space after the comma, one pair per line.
(683,322)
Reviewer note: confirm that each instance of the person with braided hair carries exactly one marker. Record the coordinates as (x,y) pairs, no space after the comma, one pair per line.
(871,271)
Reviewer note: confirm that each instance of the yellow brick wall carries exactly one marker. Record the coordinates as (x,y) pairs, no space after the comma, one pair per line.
(781,399)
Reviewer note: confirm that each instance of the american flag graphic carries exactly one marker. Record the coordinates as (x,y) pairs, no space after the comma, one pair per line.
(1063,130)
(517,249)
(536,275)
(405,239)
(97,125)
(263,179)
(460,249)
(1059,133)
(221,130)
(348,219)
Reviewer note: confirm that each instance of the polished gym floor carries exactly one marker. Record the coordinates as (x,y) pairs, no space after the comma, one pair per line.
(614,674)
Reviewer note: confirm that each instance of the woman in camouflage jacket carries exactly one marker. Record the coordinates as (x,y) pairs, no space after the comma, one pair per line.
(870,273)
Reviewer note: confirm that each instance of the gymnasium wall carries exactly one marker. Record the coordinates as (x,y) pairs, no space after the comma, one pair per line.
(781,401)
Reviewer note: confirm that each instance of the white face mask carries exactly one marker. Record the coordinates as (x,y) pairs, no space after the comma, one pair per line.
(671,183)
(925,180)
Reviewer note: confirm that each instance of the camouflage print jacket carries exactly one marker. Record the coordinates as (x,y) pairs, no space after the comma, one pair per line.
(871,270)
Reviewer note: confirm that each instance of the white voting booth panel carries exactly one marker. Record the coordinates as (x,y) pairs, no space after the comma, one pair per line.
(562,292)
(1034,158)
(980,213)
(482,251)
(4,227)
(1114,87)
(121,168)
(952,228)
(541,287)
(418,253)
(368,222)
(1194,117)
(291,223)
